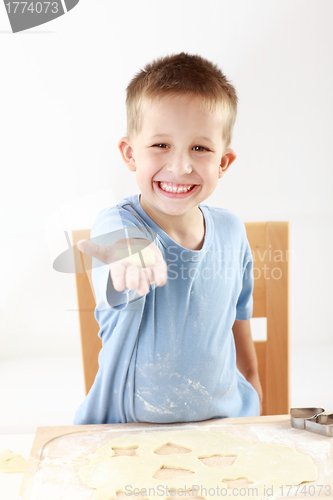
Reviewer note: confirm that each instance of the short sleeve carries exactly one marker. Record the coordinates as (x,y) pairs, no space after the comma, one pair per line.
(244,305)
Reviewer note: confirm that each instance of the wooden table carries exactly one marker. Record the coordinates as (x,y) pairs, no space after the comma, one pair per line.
(58,452)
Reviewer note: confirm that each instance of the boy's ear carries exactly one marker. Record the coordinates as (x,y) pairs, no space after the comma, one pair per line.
(227,159)
(126,152)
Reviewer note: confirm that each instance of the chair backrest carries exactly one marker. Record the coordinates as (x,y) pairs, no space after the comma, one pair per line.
(90,342)
(269,243)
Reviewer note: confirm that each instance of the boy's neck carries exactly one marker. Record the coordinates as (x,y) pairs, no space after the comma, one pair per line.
(188,230)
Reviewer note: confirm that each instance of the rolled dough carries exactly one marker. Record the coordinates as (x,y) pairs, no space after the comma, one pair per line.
(11,462)
(261,464)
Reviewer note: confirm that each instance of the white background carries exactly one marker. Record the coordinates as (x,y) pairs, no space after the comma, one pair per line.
(62,112)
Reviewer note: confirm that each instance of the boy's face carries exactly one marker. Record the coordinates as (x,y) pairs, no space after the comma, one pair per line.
(178,155)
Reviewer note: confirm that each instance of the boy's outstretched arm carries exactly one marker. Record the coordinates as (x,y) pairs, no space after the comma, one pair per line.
(246,355)
(127,271)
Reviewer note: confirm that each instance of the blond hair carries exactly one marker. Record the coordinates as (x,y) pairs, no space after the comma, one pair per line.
(181,74)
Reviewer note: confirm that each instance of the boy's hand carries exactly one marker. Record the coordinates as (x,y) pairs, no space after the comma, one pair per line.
(137,271)
(246,355)
(255,382)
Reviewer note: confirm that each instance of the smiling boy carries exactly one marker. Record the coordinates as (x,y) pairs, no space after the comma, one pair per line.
(176,337)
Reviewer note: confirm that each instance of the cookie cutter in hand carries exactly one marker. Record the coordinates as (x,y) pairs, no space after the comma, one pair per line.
(313,420)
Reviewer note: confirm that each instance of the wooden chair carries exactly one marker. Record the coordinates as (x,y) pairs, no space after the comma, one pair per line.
(90,342)
(269,242)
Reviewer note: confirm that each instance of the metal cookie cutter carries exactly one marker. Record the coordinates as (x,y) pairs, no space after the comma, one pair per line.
(322,424)
(313,420)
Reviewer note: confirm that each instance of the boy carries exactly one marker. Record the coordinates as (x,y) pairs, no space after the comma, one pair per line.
(171,327)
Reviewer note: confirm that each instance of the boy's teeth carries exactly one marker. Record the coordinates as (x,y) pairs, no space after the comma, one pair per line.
(175,188)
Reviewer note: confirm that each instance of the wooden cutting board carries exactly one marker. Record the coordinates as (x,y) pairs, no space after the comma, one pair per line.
(58,452)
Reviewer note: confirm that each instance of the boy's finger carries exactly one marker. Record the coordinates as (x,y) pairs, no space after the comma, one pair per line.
(117,271)
(146,279)
(160,273)
(132,277)
(92,249)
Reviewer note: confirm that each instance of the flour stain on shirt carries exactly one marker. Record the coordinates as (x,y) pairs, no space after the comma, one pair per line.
(154,409)
(185,392)
(198,387)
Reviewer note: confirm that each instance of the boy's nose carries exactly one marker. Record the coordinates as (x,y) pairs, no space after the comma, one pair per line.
(180,164)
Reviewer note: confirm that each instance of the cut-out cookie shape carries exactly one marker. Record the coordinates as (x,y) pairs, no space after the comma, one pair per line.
(260,464)
(125,452)
(172,449)
(218,460)
(171,473)
(241,482)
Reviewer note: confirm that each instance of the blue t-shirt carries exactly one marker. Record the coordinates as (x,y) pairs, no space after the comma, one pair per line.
(170,356)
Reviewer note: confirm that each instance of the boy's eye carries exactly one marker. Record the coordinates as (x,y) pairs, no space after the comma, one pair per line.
(164,146)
